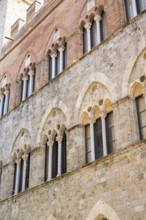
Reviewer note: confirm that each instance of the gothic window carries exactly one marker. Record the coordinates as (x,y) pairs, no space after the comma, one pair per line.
(4,101)
(98,139)
(141,114)
(28,80)
(57,61)
(21,175)
(133,7)
(94,32)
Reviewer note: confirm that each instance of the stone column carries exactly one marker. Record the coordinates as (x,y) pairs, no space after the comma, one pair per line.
(97,18)
(31,81)
(61,49)
(6,103)
(59,170)
(103,115)
(17,180)
(87,26)
(50,145)
(53,56)
(134,7)
(1,104)
(24,91)
(24,157)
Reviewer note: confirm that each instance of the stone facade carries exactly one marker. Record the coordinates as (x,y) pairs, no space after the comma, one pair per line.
(109,76)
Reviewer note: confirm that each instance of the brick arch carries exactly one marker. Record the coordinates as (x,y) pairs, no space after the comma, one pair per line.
(102,209)
(5,79)
(49,42)
(95,78)
(128,71)
(34,58)
(55,104)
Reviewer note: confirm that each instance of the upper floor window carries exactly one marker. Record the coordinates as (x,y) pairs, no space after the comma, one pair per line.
(141,114)
(99,138)
(57,61)
(55,157)
(21,172)
(4,100)
(133,7)
(28,81)
(94,32)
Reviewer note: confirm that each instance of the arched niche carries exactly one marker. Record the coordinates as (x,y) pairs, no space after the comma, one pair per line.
(94,96)
(102,210)
(56,113)
(22,138)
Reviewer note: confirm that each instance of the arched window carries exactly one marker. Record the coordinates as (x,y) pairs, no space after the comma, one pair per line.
(94,32)
(21,174)
(4,100)
(28,79)
(103,129)
(141,114)
(57,61)
(133,7)
(46,177)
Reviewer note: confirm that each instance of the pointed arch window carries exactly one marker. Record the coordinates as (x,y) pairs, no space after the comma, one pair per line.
(57,61)
(94,32)
(141,114)
(21,174)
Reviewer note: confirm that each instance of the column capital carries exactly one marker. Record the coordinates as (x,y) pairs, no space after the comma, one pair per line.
(53,54)
(97,18)
(31,73)
(103,114)
(6,92)
(25,156)
(87,25)
(18,161)
(50,143)
(61,49)
(59,138)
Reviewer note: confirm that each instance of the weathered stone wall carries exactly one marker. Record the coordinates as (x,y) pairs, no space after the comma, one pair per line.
(118,180)
(106,72)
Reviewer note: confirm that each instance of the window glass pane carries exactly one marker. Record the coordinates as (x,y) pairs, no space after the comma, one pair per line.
(98,139)
(141,5)
(103,26)
(46,161)
(65,57)
(141,115)
(64,154)
(129,9)
(50,68)
(143,118)
(88,143)
(85,41)
(93,34)
(55,159)
(110,132)
(57,59)
(140,103)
